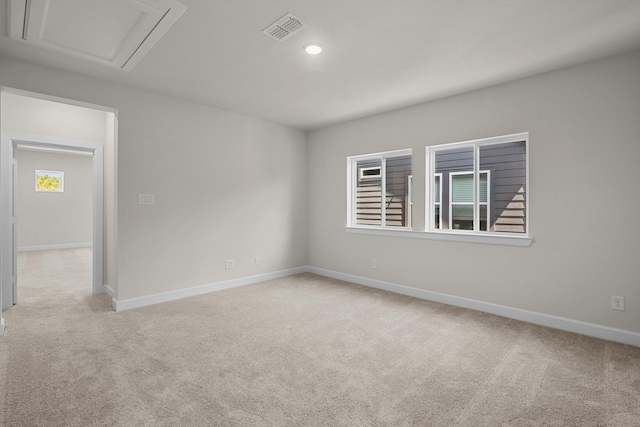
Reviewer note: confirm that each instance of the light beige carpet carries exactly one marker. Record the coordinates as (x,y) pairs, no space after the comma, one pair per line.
(298,351)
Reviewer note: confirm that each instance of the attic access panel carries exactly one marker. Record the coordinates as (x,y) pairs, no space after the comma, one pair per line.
(113,33)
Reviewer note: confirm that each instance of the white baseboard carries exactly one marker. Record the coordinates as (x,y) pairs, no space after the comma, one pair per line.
(106,289)
(128,304)
(52,247)
(570,325)
(109,291)
(565,324)
(1,326)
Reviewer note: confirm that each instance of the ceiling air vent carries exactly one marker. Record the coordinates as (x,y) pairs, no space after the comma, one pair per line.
(284,27)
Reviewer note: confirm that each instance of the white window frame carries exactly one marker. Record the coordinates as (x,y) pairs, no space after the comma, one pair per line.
(430,233)
(409,196)
(438,202)
(61,173)
(506,238)
(476,192)
(353,176)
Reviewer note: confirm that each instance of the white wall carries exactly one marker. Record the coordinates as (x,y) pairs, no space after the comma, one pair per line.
(226,186)
(54,219)
(26,115)
(584,174)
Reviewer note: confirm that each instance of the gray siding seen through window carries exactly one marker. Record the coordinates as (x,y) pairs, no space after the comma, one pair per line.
(505,164)
(396,201)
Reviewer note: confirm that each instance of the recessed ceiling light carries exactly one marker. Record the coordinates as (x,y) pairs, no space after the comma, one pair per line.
(313,48)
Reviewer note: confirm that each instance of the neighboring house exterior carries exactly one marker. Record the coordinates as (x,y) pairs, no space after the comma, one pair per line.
(502,189)
(397,190)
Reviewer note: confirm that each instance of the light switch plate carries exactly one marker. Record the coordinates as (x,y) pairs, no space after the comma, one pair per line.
(146,199)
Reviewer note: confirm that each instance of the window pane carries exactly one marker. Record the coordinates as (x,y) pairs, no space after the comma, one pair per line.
(462,188)
(462,217)
(369,192)
(446,162)
(489,200)
(507,163)
(436,200)
(397,201)
(381,189)
(462,201)
(454,160)
(483,187)
(483,218)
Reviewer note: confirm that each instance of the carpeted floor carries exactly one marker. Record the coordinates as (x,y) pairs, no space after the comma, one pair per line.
(299,351)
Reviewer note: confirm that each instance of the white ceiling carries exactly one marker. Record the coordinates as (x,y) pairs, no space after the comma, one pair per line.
(379,54)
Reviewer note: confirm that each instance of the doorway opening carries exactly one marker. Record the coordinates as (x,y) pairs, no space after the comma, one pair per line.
(11,145)
(39,123)
(54,211)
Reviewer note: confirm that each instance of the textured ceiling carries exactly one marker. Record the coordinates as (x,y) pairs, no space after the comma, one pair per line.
(380,54)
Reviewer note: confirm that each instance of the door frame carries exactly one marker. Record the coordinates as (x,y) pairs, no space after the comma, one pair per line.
(8,258)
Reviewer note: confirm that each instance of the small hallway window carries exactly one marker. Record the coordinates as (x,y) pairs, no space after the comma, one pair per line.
(50,181)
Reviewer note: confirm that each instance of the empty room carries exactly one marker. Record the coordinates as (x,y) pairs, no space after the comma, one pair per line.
(54,222)
(301,213)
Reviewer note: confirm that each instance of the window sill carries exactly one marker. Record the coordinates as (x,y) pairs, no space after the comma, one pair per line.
(450,236)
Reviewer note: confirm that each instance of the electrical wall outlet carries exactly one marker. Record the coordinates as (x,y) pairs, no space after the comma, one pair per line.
(617,303)
(228,264)
(374,263)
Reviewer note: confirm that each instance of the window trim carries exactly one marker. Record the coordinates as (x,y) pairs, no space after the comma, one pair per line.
(353,179)
(409,198)
(446,235)
(479,236)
